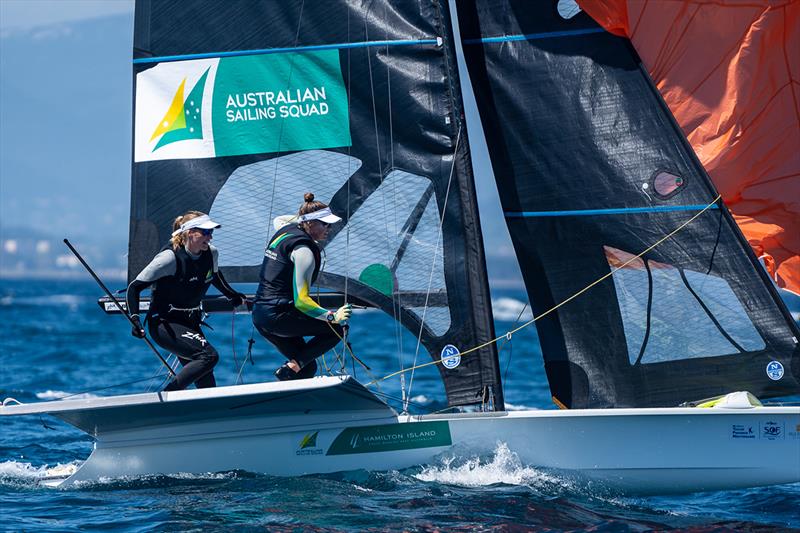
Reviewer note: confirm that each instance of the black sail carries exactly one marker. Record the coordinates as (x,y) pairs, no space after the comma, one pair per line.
(592,170)
(242,106)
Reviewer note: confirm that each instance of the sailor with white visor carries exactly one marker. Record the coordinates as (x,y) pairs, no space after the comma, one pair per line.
(284,312)
(182,273)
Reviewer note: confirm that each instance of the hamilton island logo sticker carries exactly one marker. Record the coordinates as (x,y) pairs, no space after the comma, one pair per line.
(451,357)
(775,370)
(391,437)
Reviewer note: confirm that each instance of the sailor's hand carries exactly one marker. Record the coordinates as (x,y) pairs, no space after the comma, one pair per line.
(238,299)
(137,330)
(343,314)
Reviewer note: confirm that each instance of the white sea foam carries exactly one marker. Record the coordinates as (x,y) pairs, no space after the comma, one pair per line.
(513,407)
(58,395)
(72,301)
(16,470)
(504,466)
(508,310)
(420,399)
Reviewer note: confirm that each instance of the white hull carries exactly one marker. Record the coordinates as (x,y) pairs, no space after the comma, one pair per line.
(333,424)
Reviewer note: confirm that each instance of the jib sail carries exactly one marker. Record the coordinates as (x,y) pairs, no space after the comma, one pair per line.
(592,170)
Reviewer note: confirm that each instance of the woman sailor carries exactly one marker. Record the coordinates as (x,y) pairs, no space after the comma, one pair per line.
(182,272)
(284,312)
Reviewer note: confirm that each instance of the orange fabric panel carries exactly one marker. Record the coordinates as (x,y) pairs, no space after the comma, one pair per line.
(730,72)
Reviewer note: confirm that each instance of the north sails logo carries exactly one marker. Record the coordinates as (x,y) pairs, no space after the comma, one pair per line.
(182,120)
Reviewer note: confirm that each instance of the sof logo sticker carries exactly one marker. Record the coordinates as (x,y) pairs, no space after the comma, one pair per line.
(775,370)
(308,446)
(772,430)
(451,357)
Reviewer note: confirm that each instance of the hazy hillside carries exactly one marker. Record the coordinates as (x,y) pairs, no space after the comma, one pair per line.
(65,147)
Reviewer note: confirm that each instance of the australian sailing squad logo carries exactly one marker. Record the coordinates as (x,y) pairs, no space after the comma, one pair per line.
(240,105)
(308,445)
(182,119)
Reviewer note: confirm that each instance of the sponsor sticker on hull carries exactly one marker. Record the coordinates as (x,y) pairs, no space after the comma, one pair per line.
(391,437)
(744,431)
(241,105)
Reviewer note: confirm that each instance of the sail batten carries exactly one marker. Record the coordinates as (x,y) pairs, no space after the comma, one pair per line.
(307,48)
(608,211)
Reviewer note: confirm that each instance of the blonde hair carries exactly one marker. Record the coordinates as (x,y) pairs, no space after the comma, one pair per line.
(179,240)
(309,206)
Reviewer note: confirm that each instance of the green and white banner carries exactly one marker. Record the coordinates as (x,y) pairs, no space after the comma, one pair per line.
(391,437)
(241,105)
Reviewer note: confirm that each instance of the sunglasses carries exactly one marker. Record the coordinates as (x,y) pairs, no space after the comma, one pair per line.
(205,232)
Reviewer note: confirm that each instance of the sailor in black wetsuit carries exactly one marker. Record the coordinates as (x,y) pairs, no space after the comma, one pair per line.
(182,272)
(284,312)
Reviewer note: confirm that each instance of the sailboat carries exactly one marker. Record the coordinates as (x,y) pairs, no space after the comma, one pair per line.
(649,302)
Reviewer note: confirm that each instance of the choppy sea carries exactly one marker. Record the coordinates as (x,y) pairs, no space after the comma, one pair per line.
(55,341)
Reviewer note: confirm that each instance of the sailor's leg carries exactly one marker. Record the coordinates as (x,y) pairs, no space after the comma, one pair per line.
(194,351)
(325,336)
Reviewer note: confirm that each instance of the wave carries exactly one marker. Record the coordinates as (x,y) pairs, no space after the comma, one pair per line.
(509,309)
(502,467)
(19,473)
(72,301)
(59,395)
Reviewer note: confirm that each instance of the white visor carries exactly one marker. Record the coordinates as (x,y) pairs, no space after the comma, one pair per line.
(201,222)
(323,215)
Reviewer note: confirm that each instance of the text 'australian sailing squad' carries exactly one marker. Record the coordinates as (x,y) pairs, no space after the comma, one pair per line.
(268,105)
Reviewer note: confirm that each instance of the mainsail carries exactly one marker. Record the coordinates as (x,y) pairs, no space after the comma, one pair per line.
(241,110)
(592,171)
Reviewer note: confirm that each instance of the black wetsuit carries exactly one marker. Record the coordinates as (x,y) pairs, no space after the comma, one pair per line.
(175,316)
(275,313)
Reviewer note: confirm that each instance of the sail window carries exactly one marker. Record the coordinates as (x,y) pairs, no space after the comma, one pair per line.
(670,314)
(667,184)
(392,244)
(255,194)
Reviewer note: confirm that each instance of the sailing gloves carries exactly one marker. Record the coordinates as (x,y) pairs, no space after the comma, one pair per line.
(343,314)
(238,299)
(137,330)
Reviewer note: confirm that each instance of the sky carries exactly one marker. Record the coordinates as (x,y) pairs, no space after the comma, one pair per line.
(27,14)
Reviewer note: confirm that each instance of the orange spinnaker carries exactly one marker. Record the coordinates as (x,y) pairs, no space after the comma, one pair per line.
(730,72)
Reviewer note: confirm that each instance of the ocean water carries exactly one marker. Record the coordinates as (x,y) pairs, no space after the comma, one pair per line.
(56,341)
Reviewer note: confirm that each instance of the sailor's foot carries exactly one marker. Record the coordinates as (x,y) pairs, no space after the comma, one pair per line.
(284,373)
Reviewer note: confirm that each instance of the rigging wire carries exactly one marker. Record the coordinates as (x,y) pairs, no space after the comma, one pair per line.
(569,299)
(433,261)
(394,297)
